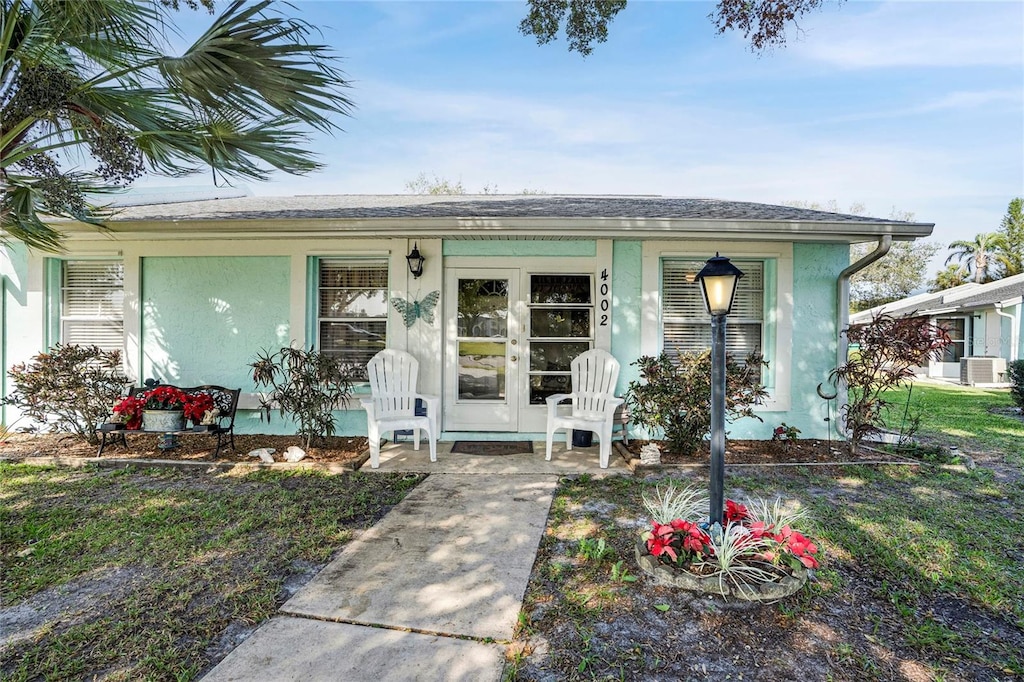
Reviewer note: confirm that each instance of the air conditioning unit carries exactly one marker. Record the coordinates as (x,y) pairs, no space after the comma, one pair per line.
(974,371)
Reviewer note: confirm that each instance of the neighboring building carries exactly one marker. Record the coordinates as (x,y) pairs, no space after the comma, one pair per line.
(512,289)
(985,322)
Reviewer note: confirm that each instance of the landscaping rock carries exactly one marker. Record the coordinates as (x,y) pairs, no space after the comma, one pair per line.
(294,454)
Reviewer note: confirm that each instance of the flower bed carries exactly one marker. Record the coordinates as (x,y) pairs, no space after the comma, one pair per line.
(755,553)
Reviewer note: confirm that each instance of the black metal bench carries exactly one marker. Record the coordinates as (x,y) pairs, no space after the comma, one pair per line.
(225,399)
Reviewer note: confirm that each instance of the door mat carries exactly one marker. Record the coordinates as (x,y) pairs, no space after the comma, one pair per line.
(492,447)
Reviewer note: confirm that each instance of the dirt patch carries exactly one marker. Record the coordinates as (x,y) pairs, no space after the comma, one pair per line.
(192,447)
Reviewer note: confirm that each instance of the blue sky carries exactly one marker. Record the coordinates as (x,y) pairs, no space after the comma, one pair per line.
(912,105)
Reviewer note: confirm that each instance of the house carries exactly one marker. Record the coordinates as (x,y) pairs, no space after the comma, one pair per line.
(512,288)
(984,321)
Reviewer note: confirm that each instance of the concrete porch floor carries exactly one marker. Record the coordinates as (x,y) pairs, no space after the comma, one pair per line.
(401,457)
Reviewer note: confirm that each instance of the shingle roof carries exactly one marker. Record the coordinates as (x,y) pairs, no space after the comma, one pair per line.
(484,206)
(966,297)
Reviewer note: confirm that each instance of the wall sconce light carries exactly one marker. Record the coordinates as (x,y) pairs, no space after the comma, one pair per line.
(415,260)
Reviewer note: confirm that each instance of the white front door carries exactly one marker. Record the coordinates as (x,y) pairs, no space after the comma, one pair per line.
(482,350)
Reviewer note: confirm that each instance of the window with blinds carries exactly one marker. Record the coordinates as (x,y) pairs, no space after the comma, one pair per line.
(352,318)
(92,304)
(686,324)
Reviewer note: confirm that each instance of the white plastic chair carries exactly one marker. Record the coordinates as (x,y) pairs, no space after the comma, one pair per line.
(392,402)
(593,374)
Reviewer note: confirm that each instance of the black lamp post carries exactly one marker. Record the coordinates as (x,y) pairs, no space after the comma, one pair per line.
(718,281)
(415,261)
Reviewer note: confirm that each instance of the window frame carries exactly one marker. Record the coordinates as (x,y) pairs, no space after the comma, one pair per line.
(777,325)
(702,319)
(59,286)
(531,338)
(963,342)
(316,301)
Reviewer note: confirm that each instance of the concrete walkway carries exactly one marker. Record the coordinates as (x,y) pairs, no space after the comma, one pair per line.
(419,596)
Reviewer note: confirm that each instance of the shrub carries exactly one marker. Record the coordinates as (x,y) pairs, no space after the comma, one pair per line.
(675,397)
(71,387)
(890,348)
(1015,373)
(305,383)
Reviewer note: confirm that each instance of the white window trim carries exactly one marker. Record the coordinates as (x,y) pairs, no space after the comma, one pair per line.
(318,319)
(781,317)
(62,315)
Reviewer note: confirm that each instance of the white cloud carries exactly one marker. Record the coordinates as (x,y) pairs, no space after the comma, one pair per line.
(925,34)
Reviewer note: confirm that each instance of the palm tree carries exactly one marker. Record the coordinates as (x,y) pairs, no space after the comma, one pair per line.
(1011,257)
(978,255)
(89,101)
(953,276)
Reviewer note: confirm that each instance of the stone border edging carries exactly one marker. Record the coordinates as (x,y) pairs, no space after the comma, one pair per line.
(189,465)
(664,575)
(640,469)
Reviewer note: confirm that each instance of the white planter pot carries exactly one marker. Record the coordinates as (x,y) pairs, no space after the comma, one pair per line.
(163,420)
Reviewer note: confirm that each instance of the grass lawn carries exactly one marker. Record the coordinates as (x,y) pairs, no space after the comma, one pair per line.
(959,415)
(150,574)
(922,575)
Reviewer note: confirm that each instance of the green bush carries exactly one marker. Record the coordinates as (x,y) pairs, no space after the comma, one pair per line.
(73,388)
(1015,373)
(306,384)
(675,397)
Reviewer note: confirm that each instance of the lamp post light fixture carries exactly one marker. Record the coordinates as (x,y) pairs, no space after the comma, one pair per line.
(718,281)
(415,261)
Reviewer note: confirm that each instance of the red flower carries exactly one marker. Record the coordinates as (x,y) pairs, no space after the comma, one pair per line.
(658,545)
(130,411)
(803,549)
(197,405)
(165,398)
(735,512)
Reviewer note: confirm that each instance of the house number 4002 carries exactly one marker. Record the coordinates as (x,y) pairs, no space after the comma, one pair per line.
(605,303)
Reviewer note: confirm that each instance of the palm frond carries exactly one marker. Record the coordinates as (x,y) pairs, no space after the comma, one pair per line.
(24,203)
(261,65)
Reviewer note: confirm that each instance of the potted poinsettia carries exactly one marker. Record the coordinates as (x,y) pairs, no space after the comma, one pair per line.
(201,410)
(164,409)
(128,413)
(756,553)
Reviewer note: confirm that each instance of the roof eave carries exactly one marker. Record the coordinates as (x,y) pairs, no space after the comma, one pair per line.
(532,227)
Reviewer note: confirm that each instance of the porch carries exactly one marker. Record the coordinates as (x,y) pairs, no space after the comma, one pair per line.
(400,456)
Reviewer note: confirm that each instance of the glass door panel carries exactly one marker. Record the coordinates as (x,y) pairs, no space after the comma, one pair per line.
(481,392)
(482,370)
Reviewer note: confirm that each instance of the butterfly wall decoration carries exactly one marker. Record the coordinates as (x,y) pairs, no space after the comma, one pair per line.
(413,310)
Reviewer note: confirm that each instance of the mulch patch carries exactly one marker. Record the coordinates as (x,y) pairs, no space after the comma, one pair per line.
(803,451)
(335,449)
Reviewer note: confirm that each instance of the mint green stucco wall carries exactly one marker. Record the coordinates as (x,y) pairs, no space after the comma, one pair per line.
(627,302)
(520,248)
(816,268)
(205,318)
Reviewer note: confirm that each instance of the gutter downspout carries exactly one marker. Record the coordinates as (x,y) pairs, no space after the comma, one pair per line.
(1014,325)
(843,285)
(843,312)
